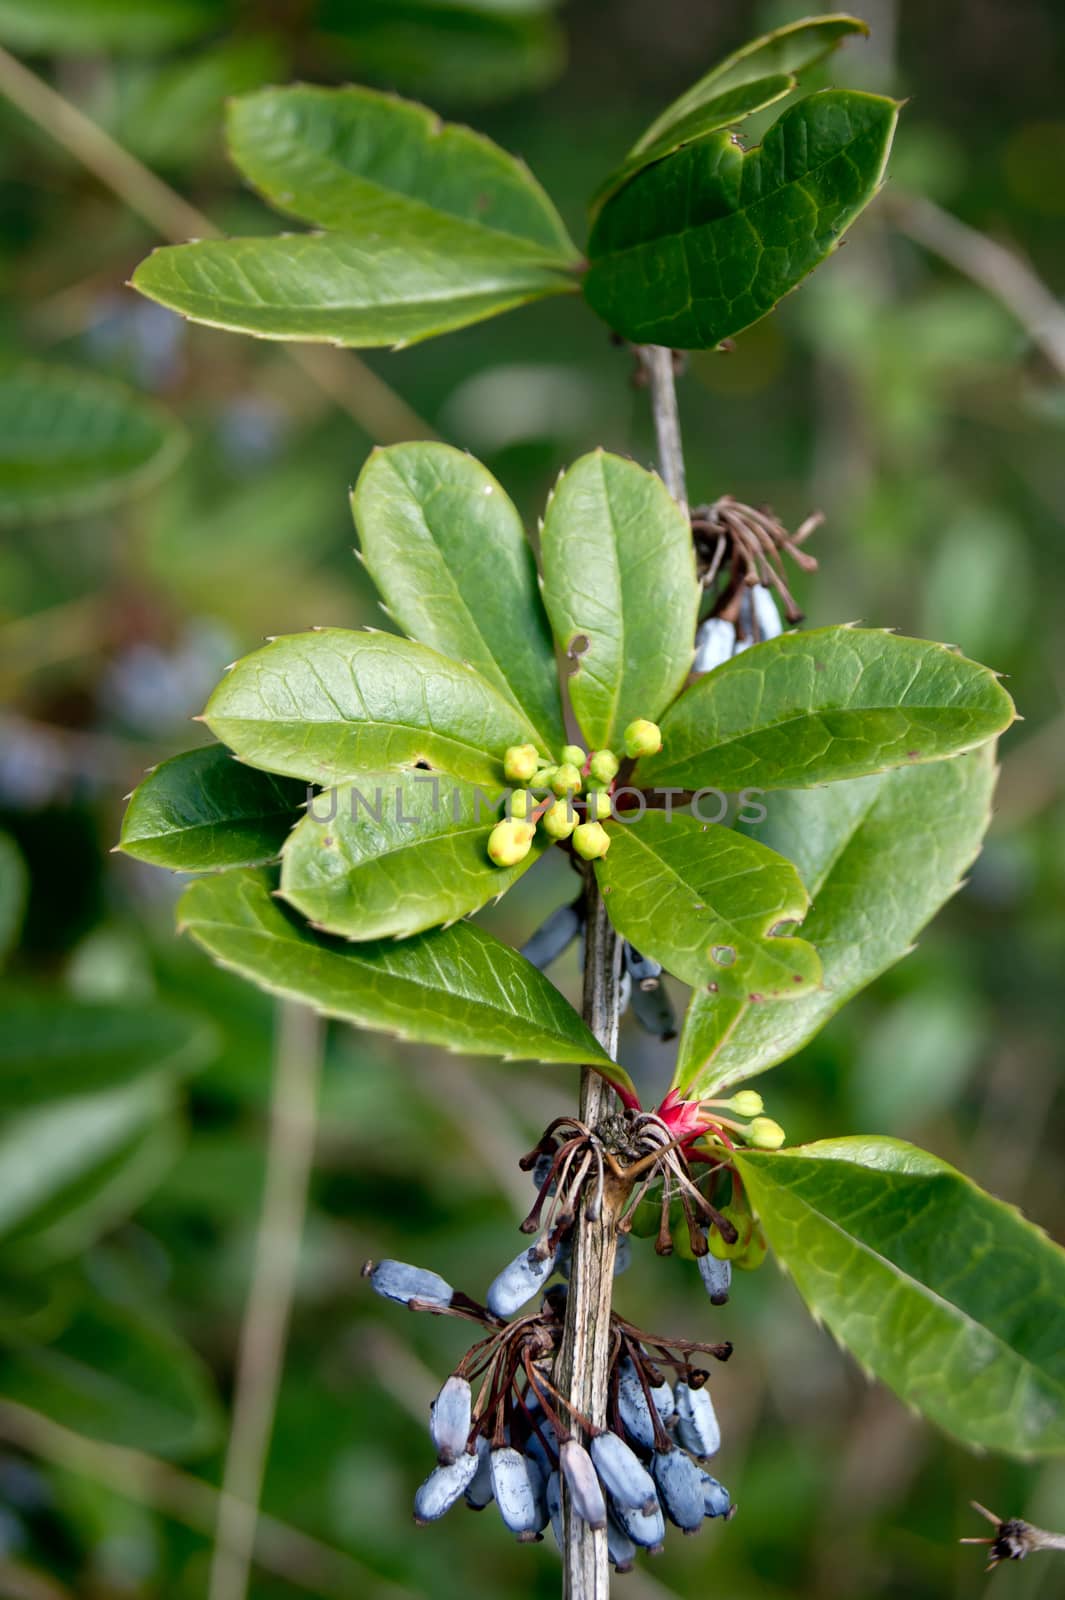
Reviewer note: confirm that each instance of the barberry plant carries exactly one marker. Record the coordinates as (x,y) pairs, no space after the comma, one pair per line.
(768,816)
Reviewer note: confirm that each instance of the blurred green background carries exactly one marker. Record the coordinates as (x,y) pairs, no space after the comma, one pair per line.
(893,392)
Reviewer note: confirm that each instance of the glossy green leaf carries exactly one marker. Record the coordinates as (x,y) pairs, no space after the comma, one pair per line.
(820,705)
(14,888)
(708,240)
(787,51)
(703,900)
(202,811)
(403,852)
(52,1045)
(331,704)
(445,546)
(353,159)
(72,442)
(113,1375)
(720,110)
(617,558)
(82,26)
(456,987)
(879,856)
(947,1295)
(433,227)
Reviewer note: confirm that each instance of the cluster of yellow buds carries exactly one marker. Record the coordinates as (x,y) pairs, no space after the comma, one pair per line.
(547,796)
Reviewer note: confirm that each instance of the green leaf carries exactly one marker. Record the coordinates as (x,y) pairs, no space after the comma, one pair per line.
(53,1046)
(65,1166)
(404,852)
(434,227)
(787,51)
(456,987)
(82,26)
(618,558)
(707,241)
(72,442)
(353,159)
(879,856)
(703,900)
(445,546)
(113,1375)
(203,810)
(824,704)
(14,891)
(331,704)
(947,1295)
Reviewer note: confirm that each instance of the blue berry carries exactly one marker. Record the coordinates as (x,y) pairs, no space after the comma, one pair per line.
(402,1283)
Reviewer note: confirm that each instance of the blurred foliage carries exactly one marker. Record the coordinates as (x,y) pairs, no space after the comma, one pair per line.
(901,399)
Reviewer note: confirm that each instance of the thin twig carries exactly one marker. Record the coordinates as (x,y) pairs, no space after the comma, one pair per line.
(659,364)
(297,1557)
(290,1151)
(349,382)
(1001,271)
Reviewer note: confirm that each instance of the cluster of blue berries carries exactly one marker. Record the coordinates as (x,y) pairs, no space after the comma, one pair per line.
(502,1430)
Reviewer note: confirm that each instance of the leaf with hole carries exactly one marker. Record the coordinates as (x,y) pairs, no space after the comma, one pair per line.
(707,241)
(202,811)
(403,852)
(432,226)
(879,856)
(618,559)
(445,546)
(947,1295)
(825,704)
(703,901)
(329,705)
(72,442)
(456,987)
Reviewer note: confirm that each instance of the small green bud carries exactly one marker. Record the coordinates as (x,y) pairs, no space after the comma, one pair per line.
(591,840)
(747,1103)
(542,777)
(643,738)
(521,805)
(603,767)
(520,762)
(566,779)
(765,1134)
(510,842)
(755,1253)
(598,805)
(720,1247)
(559,820)
(574,756)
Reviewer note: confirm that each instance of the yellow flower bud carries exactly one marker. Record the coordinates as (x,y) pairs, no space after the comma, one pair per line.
(520,762)
(521,804)
(559,820)
(591,840)
(573,755)
(642,738)
(603,767)
(746,1103)
(510,842)
(542,777)
(765,1134)
(566,779)
(598,805)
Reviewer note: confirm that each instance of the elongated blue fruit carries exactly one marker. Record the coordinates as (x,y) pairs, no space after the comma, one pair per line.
(620,1549)
(402,1283)
(542,1446)
(633,1409)
(518,1495)
(716,1276)
(653,1010)
(697,1426)
(665,1404)
(623,1474)
(553,937)
(542,1171)
(646,1529)
(584,1487)
(553,1500)
(715,642)
(641,969)
(449,1419)
(443,1487)
(479,1491)
(759,618)
(680,1488)
(519,1281)
(717,1502)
